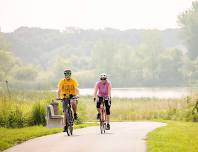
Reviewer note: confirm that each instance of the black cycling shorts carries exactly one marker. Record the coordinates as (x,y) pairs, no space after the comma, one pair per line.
(107,104)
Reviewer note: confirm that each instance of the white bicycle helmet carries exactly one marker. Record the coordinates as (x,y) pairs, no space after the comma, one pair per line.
(103,76)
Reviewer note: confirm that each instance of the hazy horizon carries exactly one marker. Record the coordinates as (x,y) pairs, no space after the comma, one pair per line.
(91,14)
(62,30)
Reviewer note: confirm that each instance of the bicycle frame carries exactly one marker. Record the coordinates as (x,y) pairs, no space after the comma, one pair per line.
(69,120)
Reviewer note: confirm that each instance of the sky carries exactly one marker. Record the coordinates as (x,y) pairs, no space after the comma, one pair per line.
(91,14)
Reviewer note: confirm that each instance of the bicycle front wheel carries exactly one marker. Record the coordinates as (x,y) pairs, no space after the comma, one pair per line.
(70,131)
(69,123)
(102,127)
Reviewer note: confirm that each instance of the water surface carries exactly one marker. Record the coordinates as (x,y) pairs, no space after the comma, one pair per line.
(162,93)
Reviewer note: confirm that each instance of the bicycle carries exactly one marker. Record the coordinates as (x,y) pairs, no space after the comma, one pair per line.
(69,114)
(102,116)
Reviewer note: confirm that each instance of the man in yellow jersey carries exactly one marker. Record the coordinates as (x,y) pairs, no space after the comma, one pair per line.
(69,88)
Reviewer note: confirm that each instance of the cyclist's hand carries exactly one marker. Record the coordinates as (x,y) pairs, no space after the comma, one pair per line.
(75,97)
(94,99)
(71,96)
(58,98)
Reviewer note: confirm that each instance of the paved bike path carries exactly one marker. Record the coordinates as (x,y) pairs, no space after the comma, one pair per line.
(123,137)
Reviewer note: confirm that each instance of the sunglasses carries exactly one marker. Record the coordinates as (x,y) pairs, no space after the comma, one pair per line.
(67,75)
(102,78)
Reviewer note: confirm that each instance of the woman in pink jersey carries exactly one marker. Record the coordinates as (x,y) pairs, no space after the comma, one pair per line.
(103,90)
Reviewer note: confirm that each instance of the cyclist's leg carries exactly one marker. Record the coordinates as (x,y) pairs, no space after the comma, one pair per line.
(98,103)
(74,107)
(107,106)
(64,105)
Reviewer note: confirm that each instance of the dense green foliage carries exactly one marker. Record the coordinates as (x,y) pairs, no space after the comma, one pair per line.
(28,108)
(145,57)
(22,108)
(175,137)
(141,55)
(39,114)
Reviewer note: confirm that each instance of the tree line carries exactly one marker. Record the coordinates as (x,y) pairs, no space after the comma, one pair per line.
(36,57)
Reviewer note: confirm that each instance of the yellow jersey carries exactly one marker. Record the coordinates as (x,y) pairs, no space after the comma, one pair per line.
(68,87)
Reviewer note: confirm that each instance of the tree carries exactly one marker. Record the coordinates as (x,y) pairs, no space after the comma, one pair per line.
(150,51)
(170,67)
(188,22)
(56,71)
(123,66)
(7,62)
(102,56)
(4,45)
(25,73)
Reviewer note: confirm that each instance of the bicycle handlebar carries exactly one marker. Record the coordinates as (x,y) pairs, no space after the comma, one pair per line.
(74,97)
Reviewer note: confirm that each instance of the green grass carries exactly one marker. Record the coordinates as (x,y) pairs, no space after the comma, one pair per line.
(23,107)
(141,109)
(10,137)
(175,137)
(29,108)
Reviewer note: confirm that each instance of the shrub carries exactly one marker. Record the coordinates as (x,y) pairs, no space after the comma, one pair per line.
(38,114)
(15,119)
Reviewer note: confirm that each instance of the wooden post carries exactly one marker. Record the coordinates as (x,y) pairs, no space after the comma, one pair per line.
(8,89)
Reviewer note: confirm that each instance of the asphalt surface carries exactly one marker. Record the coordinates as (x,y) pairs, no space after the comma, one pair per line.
(123,137)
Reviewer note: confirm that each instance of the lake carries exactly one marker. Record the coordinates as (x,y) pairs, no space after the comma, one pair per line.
(162,93)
